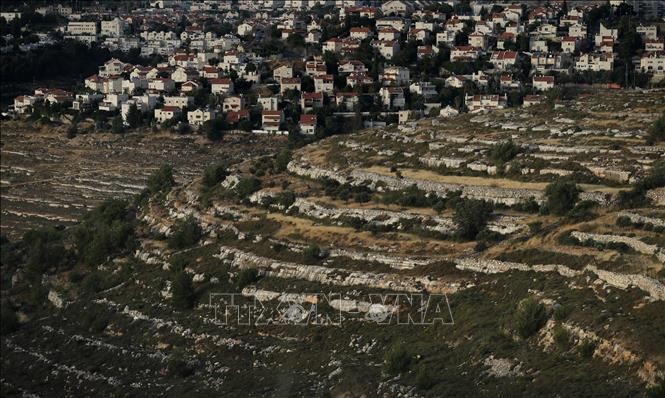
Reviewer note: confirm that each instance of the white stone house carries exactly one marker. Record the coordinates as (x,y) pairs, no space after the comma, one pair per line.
(268,103)
(477,103)
(199,116)
(179,101)
(397,75)
(233,103)
(595,62)
(221,86)
(324,84)
(308,124)
(282,72)
(162,84)
(653,62)
(166,113)
(543,83)
(271,120)
(392,97)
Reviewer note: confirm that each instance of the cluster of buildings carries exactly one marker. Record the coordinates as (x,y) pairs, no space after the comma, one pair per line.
(507,46)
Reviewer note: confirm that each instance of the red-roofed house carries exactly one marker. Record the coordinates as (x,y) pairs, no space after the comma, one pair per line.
(324,84)
(358,79)
(161,84)
(543,83)
(309,101)
(503,59)
(189,86)
(531,100)
(166,113)
(388,48)
(234,117)
(308,124)
(485,102)
(464,54)
(388,34)
(351,66)
(221,86)
(270,120)
(360,33)
(427,51)
(289,84)
(23,103)
(569,44)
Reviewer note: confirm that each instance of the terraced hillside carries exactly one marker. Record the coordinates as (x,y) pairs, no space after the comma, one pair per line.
(517,253)
(49,179)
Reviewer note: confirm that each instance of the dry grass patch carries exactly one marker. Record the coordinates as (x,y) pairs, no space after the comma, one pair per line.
(337,236)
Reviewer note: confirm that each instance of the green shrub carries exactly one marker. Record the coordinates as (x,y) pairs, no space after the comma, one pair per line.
(636,197)
(471,217)
(312,252)
(424,379)
(561,196)
(530,317)
(535,227)
(247,186)
(95,319)
(396,359)
(623,221)
(161,180)
(658,389)
(247,276)
(345,191)
(411,197)
(117,126)
(72,131)
(93,283)
(286,198)
(657,131)
(10,253)
(177,366)
(561,337)
(586,348)
(561,312)
(439,206)
(187,232)
(528,206)
(214,129)
(282,160)
(44,249)
(583,211)
(183,291)
(106,230)
(503,152)
(213,175)
(9,321)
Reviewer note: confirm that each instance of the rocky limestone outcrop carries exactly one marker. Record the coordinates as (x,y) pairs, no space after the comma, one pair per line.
(391,261)
(380,182)
(654,288)
(657,196)
(56,299)
(386,218)
(334,276)
(344,305)
(631,242)
(431,161)
(609,351)
(640,219)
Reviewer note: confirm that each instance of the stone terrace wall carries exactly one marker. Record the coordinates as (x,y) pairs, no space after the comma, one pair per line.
(506,196)
(633,243)
(655,289)
(334,276)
